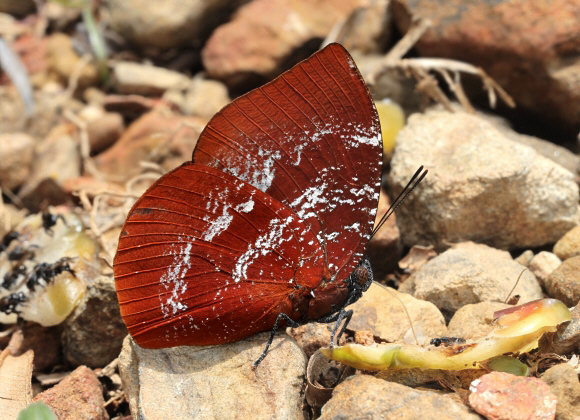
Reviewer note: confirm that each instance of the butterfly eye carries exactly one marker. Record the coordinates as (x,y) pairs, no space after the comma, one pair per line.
(361,275)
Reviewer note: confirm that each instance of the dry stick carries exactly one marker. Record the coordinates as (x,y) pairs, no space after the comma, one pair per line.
(426,64)
(429,86)
(457,89)
(416,31)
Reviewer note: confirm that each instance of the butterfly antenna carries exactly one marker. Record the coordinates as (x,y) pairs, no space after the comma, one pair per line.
(404,307)
(515,285)
(415,180)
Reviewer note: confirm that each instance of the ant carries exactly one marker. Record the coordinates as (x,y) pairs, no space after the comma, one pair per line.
(46,272)
(9,303)
(49,220)
(20,253)
(446,341)
(11,277)
(7,240)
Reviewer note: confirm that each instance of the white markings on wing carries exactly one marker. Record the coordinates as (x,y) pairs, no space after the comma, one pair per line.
(173,280)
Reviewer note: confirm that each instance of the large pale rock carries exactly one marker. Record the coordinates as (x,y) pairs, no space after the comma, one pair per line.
(158,26)
(366,397)
(471,273)
(385,314)
(481,186)
(475,320)
(215,382)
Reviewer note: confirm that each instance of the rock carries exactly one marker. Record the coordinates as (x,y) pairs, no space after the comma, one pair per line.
(150,138)
(45,342)
(311,336)
(16,389)
(385,248)
(564,341)
(215,381)
(525,257)
(167,24)
(500,395)
(262,37)
(367,29)
(475,320)
(471,273)
(16,153)
(569,245)
(564,282)
(533,62)
(105,130)
(57,158)
(140,79)
(366,397)
(63,61)
(481,186)
(456,379)
(384,314)
(543,264)
(563,382)
(78,396)
(205,98)
(18,8)
(93,334)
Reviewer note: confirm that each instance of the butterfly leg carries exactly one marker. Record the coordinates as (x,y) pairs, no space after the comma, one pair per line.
(289,322)
(338,317)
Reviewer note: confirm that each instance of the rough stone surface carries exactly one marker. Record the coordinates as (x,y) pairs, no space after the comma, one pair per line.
(564,282)
(383,314)
(563,382)
(569,245)
(543,264)
(481,186)
(527,47)
(93,334)
(312,336)
(16,153)
(366,397)
(500,395)
(79,396)
(263,34)
(166,24)
(471,273)
(475,320)
(215,381)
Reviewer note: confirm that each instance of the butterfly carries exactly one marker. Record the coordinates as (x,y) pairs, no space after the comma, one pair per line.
(269,221)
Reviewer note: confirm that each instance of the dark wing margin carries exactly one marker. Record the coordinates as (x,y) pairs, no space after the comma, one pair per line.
(205,258)
(311,139)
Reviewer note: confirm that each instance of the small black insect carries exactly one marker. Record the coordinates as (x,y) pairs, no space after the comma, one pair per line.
(45,272)
(20,253)
(7,240)
(11,277)
(446,341)
(49,220)
(9,303)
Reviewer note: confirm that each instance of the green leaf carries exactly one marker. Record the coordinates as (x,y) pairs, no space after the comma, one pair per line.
(37,411)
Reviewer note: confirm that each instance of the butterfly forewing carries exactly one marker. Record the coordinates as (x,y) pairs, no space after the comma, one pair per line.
(310,139)
(206,258)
